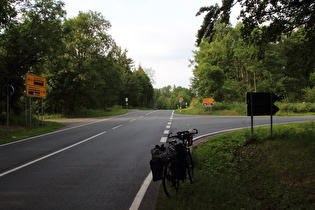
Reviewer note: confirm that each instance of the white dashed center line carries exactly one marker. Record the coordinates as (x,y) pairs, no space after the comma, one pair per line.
(166,132)
(117,127)
(163,139)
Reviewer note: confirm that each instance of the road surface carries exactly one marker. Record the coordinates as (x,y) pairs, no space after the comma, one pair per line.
(101,164)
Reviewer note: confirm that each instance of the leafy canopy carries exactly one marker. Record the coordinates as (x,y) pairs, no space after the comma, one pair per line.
(272,17)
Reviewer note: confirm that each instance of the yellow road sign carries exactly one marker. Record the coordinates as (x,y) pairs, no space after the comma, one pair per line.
(35,86)
(35,80)
(35,91)
(208,100)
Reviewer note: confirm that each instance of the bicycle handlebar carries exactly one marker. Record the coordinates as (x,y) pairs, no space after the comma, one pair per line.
(182,135)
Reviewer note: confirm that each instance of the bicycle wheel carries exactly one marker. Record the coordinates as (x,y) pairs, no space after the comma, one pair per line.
(170,184)
(190,167)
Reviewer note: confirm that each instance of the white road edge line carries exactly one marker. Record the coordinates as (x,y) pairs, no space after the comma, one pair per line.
(145,185)
(143,189)
(51,154)
(137,201)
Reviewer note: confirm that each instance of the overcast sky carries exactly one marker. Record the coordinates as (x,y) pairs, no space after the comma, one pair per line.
(157,34)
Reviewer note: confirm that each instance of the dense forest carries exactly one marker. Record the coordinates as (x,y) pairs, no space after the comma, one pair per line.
(227,67)
(271,49)
(83,66)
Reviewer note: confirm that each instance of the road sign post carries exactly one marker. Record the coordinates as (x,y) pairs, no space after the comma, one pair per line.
(259,104)
(8,91)
(180,100)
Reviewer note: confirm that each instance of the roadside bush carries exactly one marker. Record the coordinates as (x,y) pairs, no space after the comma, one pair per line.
(296,107)
(310,95)
(219,108)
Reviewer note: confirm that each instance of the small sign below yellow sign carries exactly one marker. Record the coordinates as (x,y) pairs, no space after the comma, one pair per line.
(35,91)
(35,86)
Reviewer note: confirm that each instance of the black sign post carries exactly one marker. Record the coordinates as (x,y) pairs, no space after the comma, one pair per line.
(8,91)
(259,104)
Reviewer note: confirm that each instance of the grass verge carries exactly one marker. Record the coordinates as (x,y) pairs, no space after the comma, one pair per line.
(240,171)
(20,132)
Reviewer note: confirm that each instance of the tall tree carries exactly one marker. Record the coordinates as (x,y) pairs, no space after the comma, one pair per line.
(282,16)
(145,88)
(8,12)
(81,78)
(28,42)
(289,25)
(223,68)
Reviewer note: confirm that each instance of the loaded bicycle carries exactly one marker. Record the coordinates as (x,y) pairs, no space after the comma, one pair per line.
(173,163)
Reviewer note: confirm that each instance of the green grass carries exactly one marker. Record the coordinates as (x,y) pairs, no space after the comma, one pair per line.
(240,171)
(237,108)
(219,108)
(20,132)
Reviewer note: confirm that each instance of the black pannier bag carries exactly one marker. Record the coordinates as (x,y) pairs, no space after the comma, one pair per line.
(179,162)
(156,165)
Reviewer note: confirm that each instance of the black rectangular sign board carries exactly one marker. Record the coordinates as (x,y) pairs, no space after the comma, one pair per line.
(261,103)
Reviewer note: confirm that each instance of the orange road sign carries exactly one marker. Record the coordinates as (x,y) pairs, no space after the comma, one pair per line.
(208,100)
(35,86)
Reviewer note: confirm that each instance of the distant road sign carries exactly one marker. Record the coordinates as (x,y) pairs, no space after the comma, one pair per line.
(35,86)
(208,100)
(180,99)
(208,104)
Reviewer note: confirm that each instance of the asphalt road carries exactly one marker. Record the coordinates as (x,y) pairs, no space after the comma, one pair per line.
(100,164)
